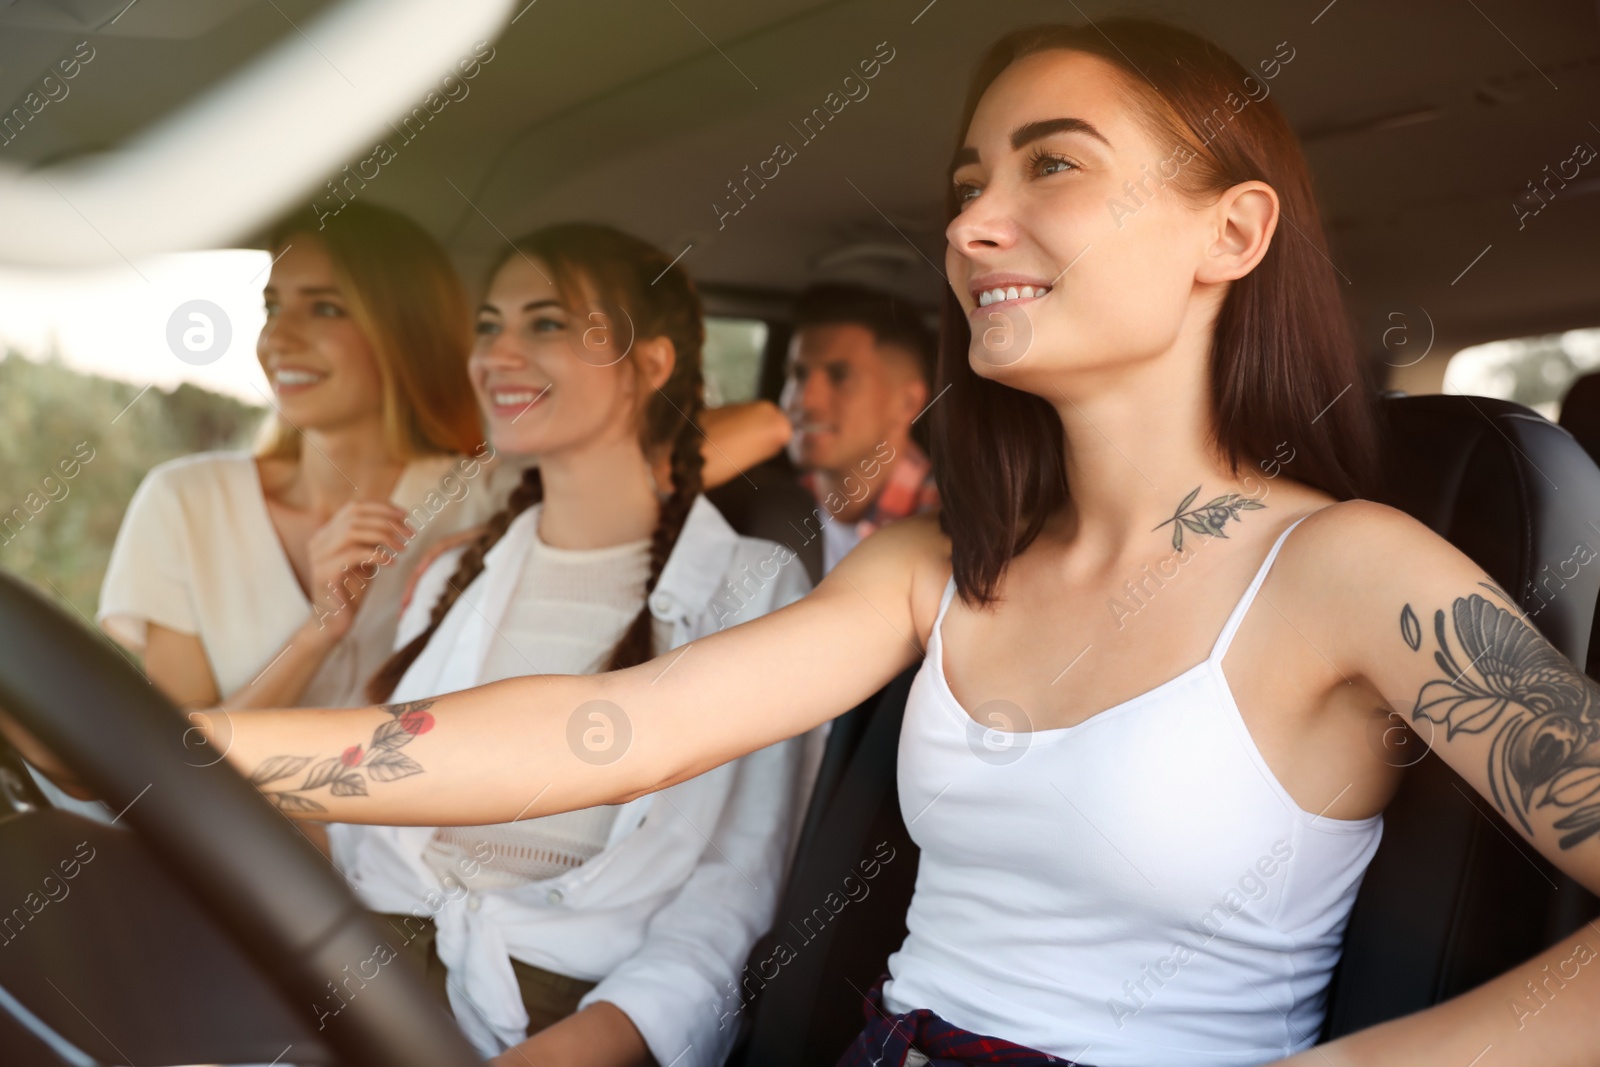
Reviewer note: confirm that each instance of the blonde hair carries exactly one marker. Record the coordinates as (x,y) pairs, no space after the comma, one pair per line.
(405,297)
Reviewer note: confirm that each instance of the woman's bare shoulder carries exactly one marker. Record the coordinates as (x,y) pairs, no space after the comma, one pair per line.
(905,564)
(1352,578)
(1361,551)
(1349,532)
(915,545)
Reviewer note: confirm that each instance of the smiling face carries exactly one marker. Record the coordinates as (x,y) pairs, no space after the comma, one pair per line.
(322,367)
(551,377)
(1067,253)
(847,394)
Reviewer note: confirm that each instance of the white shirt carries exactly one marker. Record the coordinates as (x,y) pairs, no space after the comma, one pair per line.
(838,539)
(197,553)
(568,611)
(664,917)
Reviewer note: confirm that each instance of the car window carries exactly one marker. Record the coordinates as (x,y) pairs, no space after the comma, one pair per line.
(733,359)
(1536,371)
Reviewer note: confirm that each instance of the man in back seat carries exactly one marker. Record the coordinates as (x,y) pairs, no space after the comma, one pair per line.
(858,377)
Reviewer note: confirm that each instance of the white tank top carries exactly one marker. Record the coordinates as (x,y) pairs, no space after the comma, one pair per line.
(1134,889)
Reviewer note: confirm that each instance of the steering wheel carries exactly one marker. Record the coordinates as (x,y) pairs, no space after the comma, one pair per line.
(270,892)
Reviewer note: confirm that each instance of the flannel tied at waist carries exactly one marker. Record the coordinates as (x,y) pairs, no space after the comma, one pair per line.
(917,1038)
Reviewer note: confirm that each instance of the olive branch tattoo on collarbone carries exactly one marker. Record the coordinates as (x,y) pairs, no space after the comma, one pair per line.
(1209,518)
(381,758)
(1545,750)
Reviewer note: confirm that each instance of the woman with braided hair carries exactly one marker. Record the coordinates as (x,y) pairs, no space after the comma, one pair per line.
(598,929)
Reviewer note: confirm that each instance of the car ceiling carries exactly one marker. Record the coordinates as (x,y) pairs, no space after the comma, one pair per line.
(1422,121)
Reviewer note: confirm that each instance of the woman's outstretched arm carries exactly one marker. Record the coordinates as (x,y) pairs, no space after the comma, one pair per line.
(537,745)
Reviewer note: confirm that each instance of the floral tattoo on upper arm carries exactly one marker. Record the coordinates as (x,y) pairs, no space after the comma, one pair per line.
(381,758)
(1544,712)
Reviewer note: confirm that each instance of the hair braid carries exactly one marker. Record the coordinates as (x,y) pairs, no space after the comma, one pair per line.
(659,299)
(672,417)
(528,493)
(638,641)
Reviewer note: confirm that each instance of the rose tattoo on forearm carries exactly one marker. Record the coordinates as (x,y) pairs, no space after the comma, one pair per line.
(381,758)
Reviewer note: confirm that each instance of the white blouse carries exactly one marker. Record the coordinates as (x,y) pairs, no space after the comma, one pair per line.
(197,553)
(569,609)
(665,915)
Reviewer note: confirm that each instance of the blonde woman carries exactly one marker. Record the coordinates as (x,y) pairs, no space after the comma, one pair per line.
(273,578)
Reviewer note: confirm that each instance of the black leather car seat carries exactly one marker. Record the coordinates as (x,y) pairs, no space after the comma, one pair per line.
(1454,895)
(1580,416)
(768,501)
(1449,899)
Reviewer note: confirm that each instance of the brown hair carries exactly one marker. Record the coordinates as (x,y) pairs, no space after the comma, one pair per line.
(891,320)
(636,283)
(406,299)
(1282,349)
